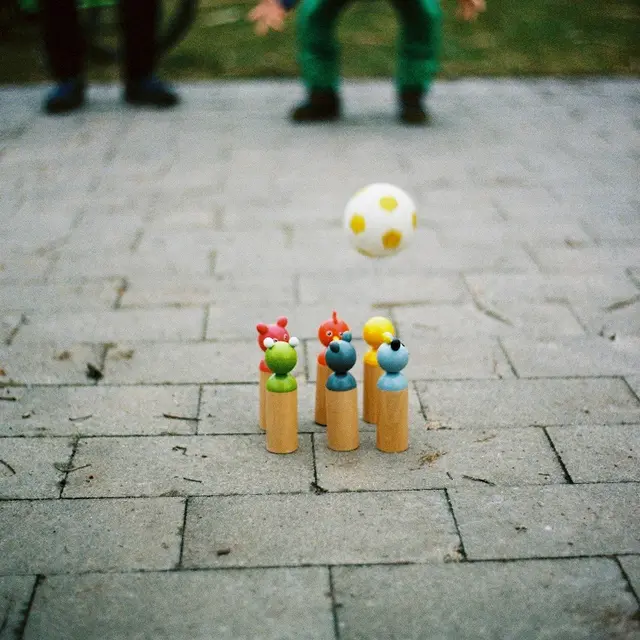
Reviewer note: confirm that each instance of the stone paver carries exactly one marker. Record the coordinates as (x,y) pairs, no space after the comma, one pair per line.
(69,536)
(538,321)
(15,593)
(609,453)
(548,401)
(621,318)
(149,244)
(234,409)
(547,521)
(574,356)
(19,267)
(107,263)
(439,459)
(32,468)
(177,465)
(588,259)
(534,233)
(47,363)
(185,363)
(111,326)
(344,529)
(201,291)
(383,290)
(602,287)
(99,411)
(83,296)
(576,599)
(231,605)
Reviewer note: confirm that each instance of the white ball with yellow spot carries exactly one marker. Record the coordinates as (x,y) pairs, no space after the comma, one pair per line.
(380,220)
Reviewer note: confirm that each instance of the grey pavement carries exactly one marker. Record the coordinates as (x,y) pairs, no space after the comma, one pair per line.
(138,250)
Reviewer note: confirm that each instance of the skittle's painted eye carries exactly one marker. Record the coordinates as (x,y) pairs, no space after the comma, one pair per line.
(275,339)
(341,334)
(286,337)
(329,334)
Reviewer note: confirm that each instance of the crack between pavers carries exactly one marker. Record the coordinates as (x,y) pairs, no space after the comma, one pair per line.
(565,471)
(21,322)
(462,550)
(199,409)
(423,406)
(507,358)
(63,482)
(334,604)
(183,530)
(631,389)
(310,565)
(627,578)
(222,383)
(20,631)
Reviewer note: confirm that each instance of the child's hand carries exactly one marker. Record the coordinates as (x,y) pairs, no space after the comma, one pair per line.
(469,9)
(269,14)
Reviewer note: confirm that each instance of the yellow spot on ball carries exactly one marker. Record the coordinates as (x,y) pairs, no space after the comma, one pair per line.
(392,239)
(414,219)
(388,203)
(357,224)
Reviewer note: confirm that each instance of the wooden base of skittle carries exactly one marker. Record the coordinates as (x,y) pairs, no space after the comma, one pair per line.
(342,420)
(262,418)
(282,421)
(322,374)
(392,429)
(370,392)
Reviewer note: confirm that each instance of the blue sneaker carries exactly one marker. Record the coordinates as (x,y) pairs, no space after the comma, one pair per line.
(150,91)
(65,96)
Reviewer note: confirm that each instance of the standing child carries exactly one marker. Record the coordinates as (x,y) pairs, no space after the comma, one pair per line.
(419,46)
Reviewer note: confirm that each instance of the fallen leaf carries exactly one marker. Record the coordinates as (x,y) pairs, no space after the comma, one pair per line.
(431,456)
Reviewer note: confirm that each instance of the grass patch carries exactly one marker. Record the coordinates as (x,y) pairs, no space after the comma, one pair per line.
(539,37)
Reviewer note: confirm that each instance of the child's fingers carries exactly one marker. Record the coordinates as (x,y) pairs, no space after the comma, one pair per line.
(276,23)
(261,27)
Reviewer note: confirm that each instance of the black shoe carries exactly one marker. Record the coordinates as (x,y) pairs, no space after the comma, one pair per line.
(150,92)
(321,106)
(65,97)
(411,109)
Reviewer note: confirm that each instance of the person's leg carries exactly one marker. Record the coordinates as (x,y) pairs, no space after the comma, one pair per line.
(65,51)
(139,23)
(418,54)
(318,57)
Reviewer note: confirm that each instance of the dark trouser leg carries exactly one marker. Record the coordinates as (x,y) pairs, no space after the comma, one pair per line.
(139,23)
(317,46)
(419,44)
(63,41)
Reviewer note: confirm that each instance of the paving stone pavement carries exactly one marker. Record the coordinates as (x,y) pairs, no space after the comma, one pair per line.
(138,251)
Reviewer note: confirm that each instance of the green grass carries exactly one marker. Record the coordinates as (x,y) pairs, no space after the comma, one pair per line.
(514,38)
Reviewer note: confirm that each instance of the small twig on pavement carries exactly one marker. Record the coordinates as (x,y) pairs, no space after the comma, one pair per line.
(63,468)
(493,484)
(171,416)
(79,418)
(191,480)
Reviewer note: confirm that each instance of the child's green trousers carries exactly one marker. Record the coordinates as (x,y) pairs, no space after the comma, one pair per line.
(418,47)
